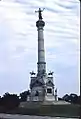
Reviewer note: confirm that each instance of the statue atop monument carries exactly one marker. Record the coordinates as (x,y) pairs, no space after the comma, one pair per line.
(40,14)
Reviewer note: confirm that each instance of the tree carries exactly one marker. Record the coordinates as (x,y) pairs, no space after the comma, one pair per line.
(23,95)
(60,98)
(73,98)
(66,97)
(10,101)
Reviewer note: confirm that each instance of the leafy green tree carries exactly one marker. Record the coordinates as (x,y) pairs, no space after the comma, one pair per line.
(72,98)
(10,101)
(23,95)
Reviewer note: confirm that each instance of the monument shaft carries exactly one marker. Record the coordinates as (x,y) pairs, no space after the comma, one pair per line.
(41,53)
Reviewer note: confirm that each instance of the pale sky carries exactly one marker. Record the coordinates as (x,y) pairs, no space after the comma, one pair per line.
(18,43)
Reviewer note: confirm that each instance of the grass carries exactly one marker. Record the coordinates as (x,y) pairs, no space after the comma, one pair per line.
(48,110)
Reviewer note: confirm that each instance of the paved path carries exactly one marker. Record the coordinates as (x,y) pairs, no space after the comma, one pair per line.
(10,116)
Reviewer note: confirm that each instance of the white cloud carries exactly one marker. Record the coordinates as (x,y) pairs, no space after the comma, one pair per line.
(18,41)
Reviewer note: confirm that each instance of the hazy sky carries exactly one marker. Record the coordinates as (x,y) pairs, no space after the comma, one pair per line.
(18,43)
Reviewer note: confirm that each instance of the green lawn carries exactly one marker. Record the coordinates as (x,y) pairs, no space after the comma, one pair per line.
(49,110)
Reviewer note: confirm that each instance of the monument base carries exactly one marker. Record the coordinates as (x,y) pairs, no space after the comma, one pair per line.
(49,98)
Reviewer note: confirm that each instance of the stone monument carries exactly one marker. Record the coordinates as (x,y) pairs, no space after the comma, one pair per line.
(42,84)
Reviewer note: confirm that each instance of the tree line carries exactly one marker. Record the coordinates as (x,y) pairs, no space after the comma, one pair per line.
(11,101)
(72,98)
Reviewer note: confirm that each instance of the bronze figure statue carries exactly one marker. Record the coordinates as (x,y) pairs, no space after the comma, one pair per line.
(32,73)
(50,73)
(40,14)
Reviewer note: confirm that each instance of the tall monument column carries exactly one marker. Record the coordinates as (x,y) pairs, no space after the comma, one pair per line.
(41,85)
(41,53)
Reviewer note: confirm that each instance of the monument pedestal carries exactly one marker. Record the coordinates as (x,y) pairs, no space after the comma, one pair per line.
(49,98)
